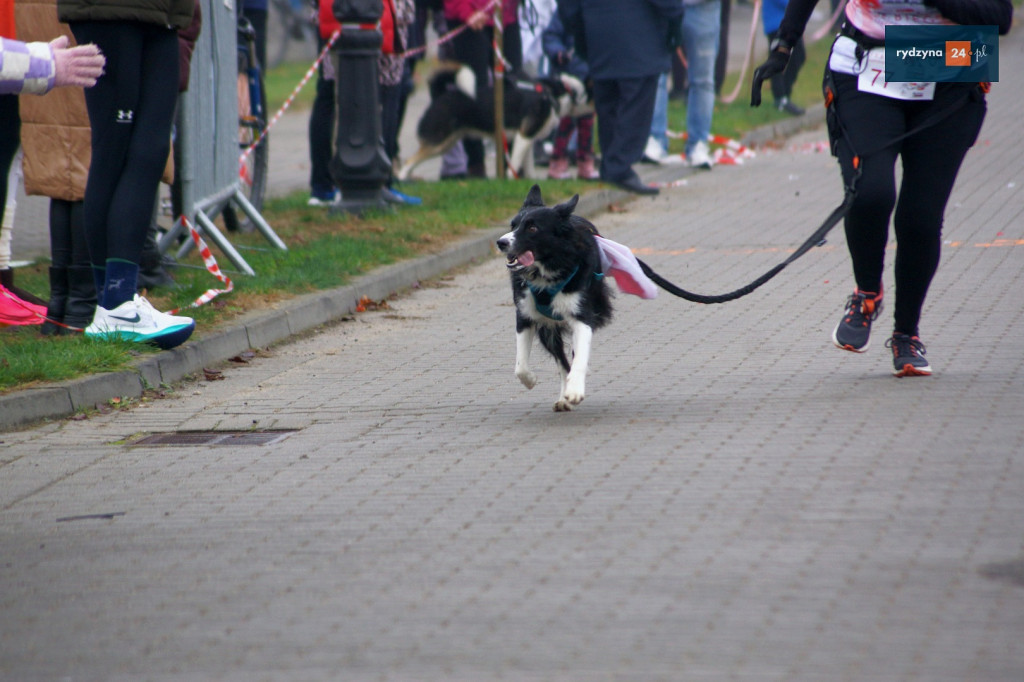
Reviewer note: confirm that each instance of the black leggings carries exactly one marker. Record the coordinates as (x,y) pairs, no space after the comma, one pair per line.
(9,141)
(131,109)
(931,159)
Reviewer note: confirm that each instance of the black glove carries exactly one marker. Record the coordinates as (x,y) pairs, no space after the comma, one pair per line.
(776,63)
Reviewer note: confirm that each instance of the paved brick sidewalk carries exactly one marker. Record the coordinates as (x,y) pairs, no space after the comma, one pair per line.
(735,499)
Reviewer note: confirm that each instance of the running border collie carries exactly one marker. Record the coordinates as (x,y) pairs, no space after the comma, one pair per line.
(559,290)
(456,110)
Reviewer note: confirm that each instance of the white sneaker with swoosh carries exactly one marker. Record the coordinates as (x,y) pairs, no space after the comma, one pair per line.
(138,320)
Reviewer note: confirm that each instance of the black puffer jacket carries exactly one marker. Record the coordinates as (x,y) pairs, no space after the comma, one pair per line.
(175,14)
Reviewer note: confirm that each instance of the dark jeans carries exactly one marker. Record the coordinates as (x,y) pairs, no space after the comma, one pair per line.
(321,123)
(624,108)
(930,158)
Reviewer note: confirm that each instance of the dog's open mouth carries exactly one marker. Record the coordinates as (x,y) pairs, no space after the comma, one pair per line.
(523,260)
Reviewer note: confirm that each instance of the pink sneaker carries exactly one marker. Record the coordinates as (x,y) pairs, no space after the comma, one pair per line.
(585,169)
(558,169)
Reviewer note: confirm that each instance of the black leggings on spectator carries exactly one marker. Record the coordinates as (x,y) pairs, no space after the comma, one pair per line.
(930,159)
(131,109)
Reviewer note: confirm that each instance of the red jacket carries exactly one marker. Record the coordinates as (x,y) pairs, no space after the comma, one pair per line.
(328,23)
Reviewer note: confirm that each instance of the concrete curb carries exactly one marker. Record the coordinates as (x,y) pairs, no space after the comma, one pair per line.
(259,330)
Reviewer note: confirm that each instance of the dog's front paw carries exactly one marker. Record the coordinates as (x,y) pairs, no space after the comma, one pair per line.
(528,378)
(568,401)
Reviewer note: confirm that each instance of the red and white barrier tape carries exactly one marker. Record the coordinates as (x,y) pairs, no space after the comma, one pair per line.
(211,264)
(288,102)
(729,153)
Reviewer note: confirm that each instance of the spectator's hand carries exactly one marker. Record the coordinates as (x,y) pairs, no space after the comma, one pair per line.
(77,66)
(775,64)
(561,58)
(478,20)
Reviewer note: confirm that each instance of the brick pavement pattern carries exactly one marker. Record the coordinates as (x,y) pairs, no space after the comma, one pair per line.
(735,499)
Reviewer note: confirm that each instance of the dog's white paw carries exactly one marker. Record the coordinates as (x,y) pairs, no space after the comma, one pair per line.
(527,378)
(562,406)
(568,401)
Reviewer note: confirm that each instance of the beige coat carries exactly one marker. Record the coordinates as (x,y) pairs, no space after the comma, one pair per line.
(55,133)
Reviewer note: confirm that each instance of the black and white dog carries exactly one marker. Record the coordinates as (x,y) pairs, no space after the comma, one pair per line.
(458,109)
(559,290)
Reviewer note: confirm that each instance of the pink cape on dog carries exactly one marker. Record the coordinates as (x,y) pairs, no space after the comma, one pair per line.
(618,261)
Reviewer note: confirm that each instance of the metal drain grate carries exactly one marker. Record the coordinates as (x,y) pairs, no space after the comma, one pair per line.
(216,437)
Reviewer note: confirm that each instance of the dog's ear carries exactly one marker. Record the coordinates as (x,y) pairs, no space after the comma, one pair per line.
(533,198)
(565,210)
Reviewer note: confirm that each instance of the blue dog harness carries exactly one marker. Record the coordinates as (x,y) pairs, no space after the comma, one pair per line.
(550,292)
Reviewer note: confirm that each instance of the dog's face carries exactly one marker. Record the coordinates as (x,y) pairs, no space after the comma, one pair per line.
(538,236)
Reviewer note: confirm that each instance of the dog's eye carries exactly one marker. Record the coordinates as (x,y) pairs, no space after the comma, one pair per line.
(531,229)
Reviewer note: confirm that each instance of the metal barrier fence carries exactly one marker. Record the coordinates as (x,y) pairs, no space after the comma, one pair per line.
(208,130)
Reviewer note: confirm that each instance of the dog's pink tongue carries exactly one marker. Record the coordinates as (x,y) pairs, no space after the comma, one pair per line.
(526,259)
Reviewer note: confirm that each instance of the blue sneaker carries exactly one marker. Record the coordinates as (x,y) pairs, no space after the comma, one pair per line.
(908,356)
(393,196)
(323,198)
(854,331)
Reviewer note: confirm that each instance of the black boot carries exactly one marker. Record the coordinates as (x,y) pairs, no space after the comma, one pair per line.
(7,279)
(57,306)
(152,273)
(81,297)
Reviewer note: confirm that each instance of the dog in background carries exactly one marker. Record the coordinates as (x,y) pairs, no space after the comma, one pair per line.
(458,108)
(559,290)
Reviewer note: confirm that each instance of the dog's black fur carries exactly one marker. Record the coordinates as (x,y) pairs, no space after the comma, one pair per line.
(532,109)
(558,288)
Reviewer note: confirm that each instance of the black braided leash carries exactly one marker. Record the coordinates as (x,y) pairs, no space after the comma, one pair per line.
(816,239)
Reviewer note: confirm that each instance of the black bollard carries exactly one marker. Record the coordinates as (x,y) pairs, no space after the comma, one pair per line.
(359,165)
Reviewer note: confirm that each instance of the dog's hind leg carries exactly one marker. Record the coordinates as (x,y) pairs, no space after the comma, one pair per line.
(524,343)
(574,385)
(522,149)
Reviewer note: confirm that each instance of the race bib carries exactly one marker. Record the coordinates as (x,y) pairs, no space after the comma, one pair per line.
(872,79)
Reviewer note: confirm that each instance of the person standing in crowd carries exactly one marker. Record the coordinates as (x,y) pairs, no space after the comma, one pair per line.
(558,48)
(392,72)
(628,44)
(702,27)
(473,47)
(131,109)
(869,128)
(322,190)
(56,150)
(782,83)
(34,67)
